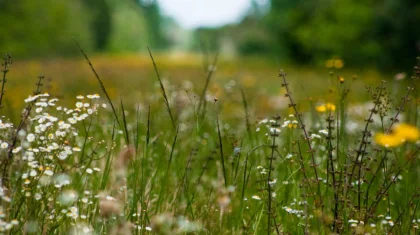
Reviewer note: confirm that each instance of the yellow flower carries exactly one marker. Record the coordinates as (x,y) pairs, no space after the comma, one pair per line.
(291,126)
(400,134)
(387,140)
(407,132)
(341,79)
(330,106)
(325,107)
(338,63)
(329,63)
(321,108)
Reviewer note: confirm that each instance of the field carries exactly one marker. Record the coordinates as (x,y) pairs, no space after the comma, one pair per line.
(189,147)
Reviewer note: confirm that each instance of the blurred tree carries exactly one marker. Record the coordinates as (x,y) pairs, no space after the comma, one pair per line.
(381,32)
(40,28)
(397,30)
(129,29)
(101,22)
(154,22)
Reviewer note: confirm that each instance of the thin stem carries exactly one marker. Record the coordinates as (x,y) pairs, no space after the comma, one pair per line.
(162,88)
(221,152)
(210,73)
(100,82)
(306,136)
(7,61)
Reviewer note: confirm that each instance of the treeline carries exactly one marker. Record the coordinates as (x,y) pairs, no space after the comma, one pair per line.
(39,28)
(385,34)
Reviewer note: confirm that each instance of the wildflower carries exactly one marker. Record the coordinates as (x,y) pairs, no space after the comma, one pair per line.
(400,76)
(274,131)
(256,197)
(315,136)
(30,137)
(33,173)
(325,132)
(400,134)
(62,155)
(108,208)
(329,63)
(37,196)
(338,63)
(341,79)
(49,172)
(16,150)
(408,132)
(4,145)
(68,197)
(334,63)
(94,96)
(388,140)
(224,201)
(325,107)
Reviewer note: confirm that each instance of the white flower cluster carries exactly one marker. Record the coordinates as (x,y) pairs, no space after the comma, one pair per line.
(45,146)
(5,129)
(267,123)
(296,208)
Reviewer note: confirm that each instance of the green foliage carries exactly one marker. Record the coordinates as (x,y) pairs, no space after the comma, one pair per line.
(101,23)
(357,31)
(154,23)
(129,29)
(34,28)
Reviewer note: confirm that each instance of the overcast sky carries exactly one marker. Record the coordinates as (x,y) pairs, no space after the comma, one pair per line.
(194,13)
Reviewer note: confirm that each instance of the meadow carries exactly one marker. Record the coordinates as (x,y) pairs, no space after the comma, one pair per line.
(181,144)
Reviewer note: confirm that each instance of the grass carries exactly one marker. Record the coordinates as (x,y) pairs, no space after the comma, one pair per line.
(242,149)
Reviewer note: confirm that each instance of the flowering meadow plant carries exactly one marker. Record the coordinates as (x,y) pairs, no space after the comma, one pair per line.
(186,161)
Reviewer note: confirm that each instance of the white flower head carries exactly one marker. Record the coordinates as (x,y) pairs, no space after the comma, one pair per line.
(4,145)
(30,137)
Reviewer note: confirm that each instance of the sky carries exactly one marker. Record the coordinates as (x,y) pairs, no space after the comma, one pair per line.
(195,13)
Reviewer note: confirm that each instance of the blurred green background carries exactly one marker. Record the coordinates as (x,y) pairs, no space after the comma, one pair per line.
(383,34)
(314,41)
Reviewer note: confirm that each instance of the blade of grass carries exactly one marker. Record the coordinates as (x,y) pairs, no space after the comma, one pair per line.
(211,70)
(162,88)
(127,139)
(221,151)
(99,80)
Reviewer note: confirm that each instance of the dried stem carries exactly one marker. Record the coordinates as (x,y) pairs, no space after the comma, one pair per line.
(330,149)
(305,132)
(274,134)
(7,61)
(361,152)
